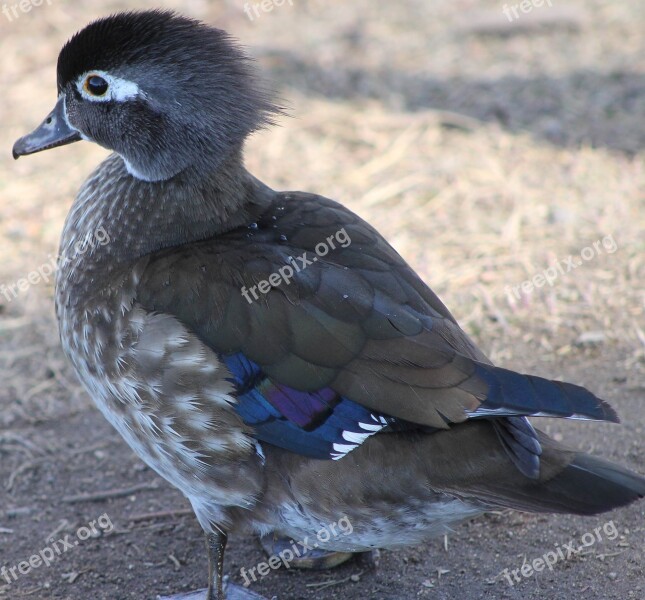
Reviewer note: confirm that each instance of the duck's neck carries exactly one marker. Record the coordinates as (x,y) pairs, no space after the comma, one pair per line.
(118,218)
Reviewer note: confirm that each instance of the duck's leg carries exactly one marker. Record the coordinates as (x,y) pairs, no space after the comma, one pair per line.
(217,588)
(215,545)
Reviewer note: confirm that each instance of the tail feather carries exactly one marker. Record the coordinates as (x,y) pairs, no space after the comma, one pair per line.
(514,394)
(590,485)
(469,462)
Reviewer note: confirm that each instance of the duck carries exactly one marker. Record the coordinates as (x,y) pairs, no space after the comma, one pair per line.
(269,353)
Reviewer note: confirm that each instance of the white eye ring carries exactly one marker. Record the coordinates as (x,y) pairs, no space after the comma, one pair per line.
(118,89)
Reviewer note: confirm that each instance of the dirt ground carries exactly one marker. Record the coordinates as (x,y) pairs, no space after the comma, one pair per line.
(485,150)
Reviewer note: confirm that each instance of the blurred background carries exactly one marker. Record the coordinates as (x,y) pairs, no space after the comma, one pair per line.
(488,141)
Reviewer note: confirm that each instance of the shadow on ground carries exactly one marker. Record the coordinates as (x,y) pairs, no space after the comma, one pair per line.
(583,108)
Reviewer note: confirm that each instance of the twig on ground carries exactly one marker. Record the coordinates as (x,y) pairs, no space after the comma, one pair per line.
(162,514)
(107,494)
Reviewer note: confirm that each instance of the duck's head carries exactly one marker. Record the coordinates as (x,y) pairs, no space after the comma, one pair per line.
(163,91)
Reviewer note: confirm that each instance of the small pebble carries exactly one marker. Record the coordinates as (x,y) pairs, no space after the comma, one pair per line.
(590,338)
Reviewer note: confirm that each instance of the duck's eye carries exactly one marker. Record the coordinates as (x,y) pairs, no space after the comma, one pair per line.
(96,85)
